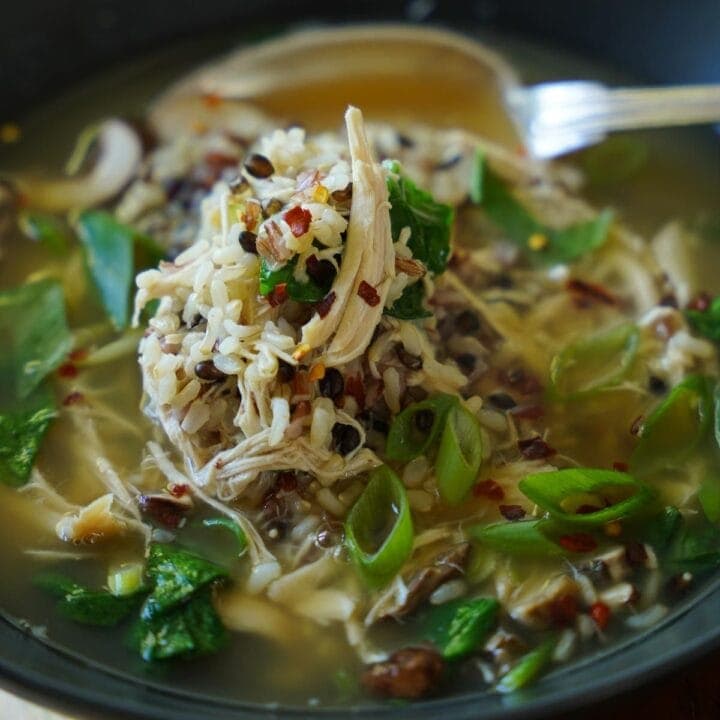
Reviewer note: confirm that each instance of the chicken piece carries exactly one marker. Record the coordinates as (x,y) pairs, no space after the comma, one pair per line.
(92,523)
(551,606)
(408,673)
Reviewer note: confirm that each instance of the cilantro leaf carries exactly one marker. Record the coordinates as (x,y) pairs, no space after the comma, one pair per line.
(22,429)
(309,292)
(46,229)
(430,222)
(706,322)
(35,336)
(508,213)
(409,306)
(176,575)
(110,250)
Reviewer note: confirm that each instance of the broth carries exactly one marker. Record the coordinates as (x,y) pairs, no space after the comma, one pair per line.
(680,179)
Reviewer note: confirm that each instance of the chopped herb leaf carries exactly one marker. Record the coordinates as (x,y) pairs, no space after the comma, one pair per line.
(89,607)
(22,430)
(430,222)
(527,668)
(706,322)
(409,306)
(110,251)
(562,246)
(176,574)
(307,292)
(523,538)
(460,626)
(190,630)
(696,548)
(35,336)
(46,229)
(660,529)
(709,497)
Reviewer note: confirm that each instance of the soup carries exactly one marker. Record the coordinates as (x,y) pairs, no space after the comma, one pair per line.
(394,412)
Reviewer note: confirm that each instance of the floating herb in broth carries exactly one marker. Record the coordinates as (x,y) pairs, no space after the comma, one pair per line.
(488,420)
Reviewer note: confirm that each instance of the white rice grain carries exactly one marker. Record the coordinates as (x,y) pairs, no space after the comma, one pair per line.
(448,591)
(323,419)
(280,420)
(197,415)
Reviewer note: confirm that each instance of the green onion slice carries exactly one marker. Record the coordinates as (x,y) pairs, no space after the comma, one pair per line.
(595,363)
(676,426)
(458,627)
(379,529)
(527,668)
(230,525)
(526,537)
(460,454)
(709,497)
(571,494)
(415,430)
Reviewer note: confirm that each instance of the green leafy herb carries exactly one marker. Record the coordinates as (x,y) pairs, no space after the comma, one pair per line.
(22,429)
(709,497)
(524,538)
(661,529)
(460,626)
(409,306)
(192,629)
(416,429)
(459,456)
(176,574)
(595,363)
(35,336)
(614,161)
(89,607)
(46,229)
(674,429)
(430,222)
(110,249)
(230,525)
(307,292)
(563,245)
(563,492)
(706,322)
(696,548)
(528,668)
(379,529)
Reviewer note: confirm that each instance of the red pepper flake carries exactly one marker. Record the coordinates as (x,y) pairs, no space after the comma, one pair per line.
(578,542)
(563,610)
(527,412)
(535,448)
(178,490)
(700,302)
(355,389)
(600,613)
(68,371)
(636,426)
(620,466)
(298,219)
(78,355)
(489,489)
(167,512)
(368,293)
(278,295)
(73,398)
(512,512)
(585,293)
(323,307)
(212,100)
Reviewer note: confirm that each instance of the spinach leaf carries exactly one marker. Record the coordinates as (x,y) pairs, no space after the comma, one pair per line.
(458,627)
(661,529)
(189,630)
(309,292)
(696,548)
(706,322)
(85,606)
(176,575)
(22,429)
(46,229)
(35,336)
(507,212)
(110,251)
(409,306)
(430,222)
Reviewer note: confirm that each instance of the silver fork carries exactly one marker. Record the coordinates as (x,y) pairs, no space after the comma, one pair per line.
(556,118)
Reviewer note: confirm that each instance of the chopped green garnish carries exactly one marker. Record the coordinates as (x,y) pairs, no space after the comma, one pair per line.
(110,252)
(230,525)
(660,530)
(695,548)
(85,606)
(459,456)
(709,497)
(176,574)
(558,245)
(614,161)
(307,292)
(415,430)
(35,335)
(675,428)
(528,668)
(595,363)
(409,306)
(379,529)
(46,229)
(523,538)
(128,579)
(563,493)
(459,627)
(22,429)
(706,322)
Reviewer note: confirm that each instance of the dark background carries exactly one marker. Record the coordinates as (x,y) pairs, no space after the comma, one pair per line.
(43,45)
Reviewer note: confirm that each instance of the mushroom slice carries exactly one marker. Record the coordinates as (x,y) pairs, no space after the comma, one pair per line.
(92,523)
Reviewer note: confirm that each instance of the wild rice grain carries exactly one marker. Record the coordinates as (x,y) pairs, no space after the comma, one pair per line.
(259,166)
(248,242)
